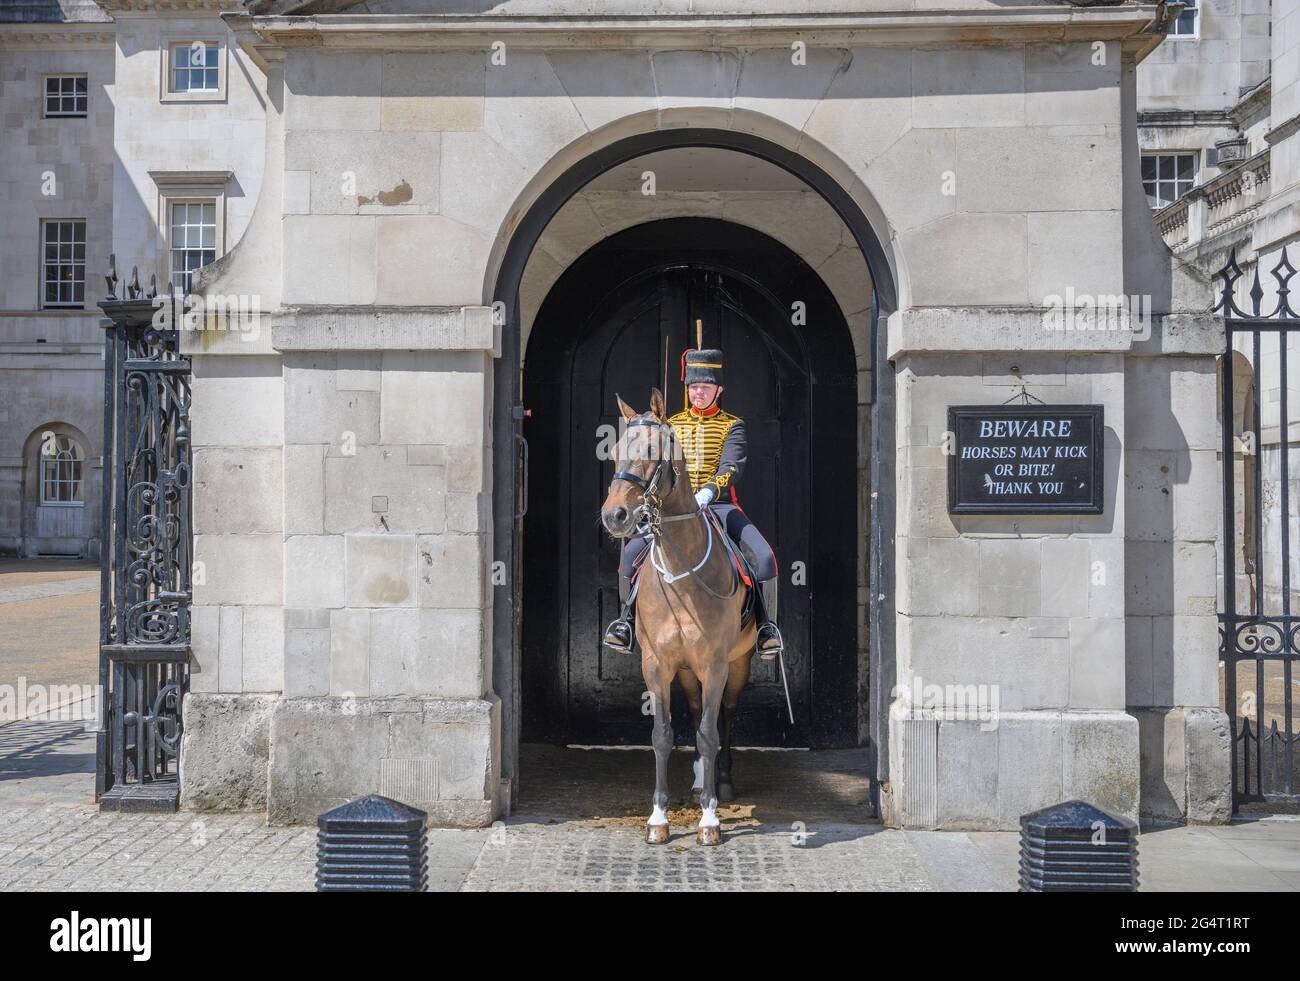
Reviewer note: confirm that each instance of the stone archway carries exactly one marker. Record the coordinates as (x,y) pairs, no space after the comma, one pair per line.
(538,206)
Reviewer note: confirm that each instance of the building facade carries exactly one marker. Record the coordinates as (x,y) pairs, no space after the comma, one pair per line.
(115,145)
(455,232)
(366,621)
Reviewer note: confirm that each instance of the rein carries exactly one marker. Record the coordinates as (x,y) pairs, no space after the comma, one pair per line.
(650,517)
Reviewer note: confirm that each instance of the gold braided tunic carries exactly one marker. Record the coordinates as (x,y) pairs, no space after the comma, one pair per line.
(713,442)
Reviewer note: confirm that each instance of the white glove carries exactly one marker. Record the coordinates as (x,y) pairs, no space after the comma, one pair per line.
(704,496)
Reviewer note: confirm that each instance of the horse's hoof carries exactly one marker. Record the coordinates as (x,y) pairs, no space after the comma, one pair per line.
(656,834)
(707,836)
(726,792)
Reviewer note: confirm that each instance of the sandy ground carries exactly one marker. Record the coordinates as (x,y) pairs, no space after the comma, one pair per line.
(52,639)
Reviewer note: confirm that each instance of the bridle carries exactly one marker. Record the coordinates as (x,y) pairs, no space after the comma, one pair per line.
(648,515)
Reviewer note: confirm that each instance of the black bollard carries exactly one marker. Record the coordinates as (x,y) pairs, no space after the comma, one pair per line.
(1075,847)
(372,845)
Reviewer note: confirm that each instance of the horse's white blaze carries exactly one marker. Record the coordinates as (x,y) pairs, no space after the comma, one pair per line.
(709,818)
(699,775)
(657,816)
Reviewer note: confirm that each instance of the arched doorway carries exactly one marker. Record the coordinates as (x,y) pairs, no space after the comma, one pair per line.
(58,497)
(543,200)
(618,316)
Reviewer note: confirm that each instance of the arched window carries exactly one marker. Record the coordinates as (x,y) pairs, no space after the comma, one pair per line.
(61,470)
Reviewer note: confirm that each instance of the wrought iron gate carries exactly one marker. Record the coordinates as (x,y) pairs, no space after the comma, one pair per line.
(146,575)
(1257,628)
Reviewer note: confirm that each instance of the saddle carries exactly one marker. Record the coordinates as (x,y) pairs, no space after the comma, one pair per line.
(738,561)
(741,564)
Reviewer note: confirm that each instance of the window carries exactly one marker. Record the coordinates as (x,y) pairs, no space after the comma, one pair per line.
(192,69)
(61,461)
(1185,25)
(195,67)
(1166,177)
(65,95)
(191,240)
(191,212)
(64,267)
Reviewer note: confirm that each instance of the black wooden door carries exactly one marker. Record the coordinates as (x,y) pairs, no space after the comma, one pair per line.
(637,327)
(624,331)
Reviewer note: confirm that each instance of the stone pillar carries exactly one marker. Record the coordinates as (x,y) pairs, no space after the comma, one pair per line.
(237,620)
(344,633)
(1172,481)
(387,598)
(1010,629)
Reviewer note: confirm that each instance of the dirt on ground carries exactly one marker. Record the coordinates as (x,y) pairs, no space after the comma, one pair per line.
(613,787)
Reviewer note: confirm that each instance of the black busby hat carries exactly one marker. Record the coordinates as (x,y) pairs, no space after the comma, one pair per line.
(702,365)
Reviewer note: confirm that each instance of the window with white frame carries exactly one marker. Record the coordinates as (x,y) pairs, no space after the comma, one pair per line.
(1185,25)
(194,66)
(65,95)
(191,239)
(61,470)
(1166,177)
(63,266)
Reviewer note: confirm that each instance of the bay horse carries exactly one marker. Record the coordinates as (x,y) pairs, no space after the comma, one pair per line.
(688,609)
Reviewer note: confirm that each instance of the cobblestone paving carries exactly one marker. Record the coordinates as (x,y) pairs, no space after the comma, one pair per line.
(577,856)
(802,822)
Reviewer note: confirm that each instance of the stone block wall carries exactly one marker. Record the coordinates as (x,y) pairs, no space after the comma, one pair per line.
(1020,617)
(343,540)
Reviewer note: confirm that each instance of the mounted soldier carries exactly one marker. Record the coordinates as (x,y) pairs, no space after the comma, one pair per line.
(713,442)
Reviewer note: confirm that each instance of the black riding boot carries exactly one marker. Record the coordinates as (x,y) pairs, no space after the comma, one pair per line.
(620,634)
(770,643)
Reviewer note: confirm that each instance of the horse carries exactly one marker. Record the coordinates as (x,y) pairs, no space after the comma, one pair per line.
(688,609)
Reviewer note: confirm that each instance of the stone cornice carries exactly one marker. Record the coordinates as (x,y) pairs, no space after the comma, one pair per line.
(1140,25)
(169,6)
(951,331)
(1252,100)
(191,177)
(93,35)
(1185,117)
(1282,130)
(329,328)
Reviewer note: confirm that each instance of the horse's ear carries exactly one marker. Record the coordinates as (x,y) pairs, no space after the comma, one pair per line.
(657,403)
(629,413)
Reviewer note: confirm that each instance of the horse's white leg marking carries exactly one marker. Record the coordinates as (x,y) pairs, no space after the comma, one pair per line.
(699,774)
(709,818)
(657,816)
